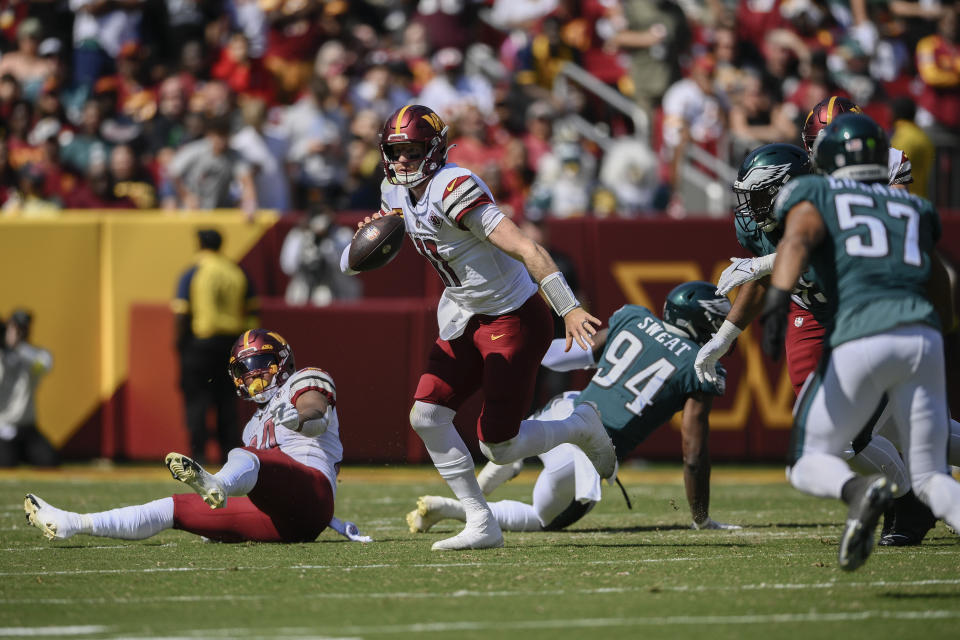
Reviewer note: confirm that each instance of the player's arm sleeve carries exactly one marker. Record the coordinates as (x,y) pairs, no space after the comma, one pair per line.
(314,395)
(312,379)
(482,221)
(462,196)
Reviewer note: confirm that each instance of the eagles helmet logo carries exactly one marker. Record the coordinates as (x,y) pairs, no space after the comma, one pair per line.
(762,176)
(716,306)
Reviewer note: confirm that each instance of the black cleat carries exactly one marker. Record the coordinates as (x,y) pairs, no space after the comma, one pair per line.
(910,522)
(872,495)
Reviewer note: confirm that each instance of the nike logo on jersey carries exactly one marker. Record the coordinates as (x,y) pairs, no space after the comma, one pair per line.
(497,337)
(451,186)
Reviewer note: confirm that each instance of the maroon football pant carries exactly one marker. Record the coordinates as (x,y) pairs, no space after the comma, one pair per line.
(804,345)
(498,354)
(290,503)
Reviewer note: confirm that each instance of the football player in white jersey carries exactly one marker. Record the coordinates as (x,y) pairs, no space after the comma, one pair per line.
(494,328)
(278,487)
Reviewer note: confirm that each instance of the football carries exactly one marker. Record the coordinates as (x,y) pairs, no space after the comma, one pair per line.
(376,244)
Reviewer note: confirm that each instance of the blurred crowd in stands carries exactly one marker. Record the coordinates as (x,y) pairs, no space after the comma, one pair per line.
(277,104)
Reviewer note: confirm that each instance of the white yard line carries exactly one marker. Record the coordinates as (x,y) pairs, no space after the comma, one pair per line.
(501,627)
(463,593)
(20,632)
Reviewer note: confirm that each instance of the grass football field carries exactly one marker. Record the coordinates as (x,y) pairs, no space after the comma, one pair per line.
(614,574)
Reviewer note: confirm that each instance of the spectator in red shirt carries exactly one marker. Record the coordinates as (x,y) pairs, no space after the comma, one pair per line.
(471,147)
(244,75)
(938,61)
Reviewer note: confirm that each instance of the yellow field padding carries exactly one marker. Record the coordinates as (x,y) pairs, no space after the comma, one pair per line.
(80,272)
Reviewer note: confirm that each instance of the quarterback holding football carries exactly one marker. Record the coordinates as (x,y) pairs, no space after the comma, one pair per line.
(494,328)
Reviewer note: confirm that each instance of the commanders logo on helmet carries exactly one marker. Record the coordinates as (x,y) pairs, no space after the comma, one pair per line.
(695,310)
(853,146)
(763,172)
(823,114)
(258,352)
(419,125)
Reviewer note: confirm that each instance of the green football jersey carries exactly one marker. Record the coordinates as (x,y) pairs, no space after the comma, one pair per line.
(875,259)
(643,377)
(808,293)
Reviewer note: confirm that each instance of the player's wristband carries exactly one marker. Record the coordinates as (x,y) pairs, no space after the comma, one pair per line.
(559,294)
(764,264)
(727,333)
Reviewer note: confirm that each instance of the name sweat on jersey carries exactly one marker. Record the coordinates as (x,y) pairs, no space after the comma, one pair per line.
(644,376)
(323,452)
(449,226)
(875,258)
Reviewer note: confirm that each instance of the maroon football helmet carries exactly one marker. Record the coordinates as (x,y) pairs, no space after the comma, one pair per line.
(417,124)
(260,352)
(823,114)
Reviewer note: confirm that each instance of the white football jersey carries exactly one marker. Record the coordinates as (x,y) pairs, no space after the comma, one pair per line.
(449,227)
(323,452)
(898,163)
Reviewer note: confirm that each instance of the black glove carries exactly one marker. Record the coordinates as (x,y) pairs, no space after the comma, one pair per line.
(774,321)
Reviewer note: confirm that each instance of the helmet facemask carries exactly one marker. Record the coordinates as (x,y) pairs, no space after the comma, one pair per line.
(391,160)
(413,125)
(754,208)
(255,355)
(255,368)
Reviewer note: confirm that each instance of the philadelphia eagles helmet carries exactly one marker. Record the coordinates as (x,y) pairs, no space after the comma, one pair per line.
(761,175)
(853,146)
(694,310)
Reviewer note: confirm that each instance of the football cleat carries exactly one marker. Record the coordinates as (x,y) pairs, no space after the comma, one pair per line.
(425,515)
(55,524)
(906,522)
(595,441)
(873,497)
(484,534)
(207,486)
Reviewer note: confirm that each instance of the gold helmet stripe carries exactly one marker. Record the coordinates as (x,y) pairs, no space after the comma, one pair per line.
(397,125)
(830,104)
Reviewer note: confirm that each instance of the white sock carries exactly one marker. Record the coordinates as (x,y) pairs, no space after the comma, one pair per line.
(448,508)
(239,475)
(533,438)
(820,474)
(130,523)
(942,494)
(434,425)
(880,456)
(515,516)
